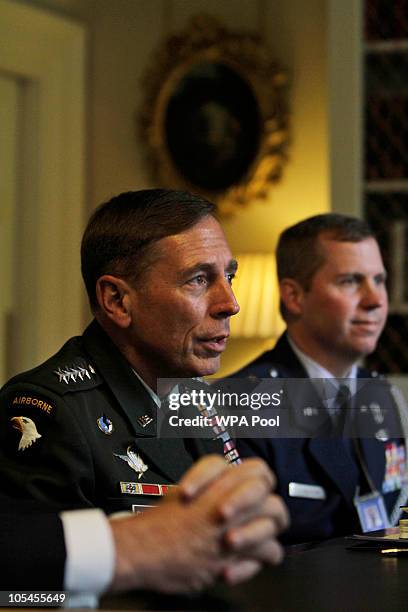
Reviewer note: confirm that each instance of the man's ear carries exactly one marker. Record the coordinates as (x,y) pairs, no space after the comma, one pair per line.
(291,294)
(113,298)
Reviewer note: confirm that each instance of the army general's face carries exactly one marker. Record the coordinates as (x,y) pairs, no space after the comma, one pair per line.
(343,312)
(181,306)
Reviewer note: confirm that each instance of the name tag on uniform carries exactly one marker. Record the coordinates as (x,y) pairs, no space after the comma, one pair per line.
(298,489)
(140,508)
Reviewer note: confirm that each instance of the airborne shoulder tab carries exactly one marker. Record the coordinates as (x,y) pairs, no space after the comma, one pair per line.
(24,400)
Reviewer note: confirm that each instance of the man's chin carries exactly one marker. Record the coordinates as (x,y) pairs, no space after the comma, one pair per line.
(364,348)
(207,367)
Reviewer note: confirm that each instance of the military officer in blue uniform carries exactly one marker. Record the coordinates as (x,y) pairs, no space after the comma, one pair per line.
(334,303)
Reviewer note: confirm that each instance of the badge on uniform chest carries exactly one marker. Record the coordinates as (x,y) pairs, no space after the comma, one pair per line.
(105,425)
(134,461)
(395,473)
(139,488)
(145,489)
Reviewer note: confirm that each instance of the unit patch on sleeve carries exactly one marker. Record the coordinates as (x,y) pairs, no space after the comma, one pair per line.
(29,415)
(28,430)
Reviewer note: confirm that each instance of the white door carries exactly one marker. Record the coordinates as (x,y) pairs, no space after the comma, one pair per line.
(9,95)
(42,183)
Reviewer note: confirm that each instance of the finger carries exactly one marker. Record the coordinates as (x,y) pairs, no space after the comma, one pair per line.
(245,500)
(250,535)
(251,468)
(241,571)
(236,477)
(276,508)
(251,507)
(201,475)
(279,512)
(257,465)
(270,551)
(217,478)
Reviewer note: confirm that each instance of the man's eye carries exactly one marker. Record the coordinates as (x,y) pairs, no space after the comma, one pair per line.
(348,280)
(200,279)
(230,277)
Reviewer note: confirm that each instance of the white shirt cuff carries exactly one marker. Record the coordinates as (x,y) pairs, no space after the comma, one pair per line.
(90,551)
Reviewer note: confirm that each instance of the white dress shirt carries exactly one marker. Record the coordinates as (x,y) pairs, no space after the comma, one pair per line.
(90,559)
(315,371)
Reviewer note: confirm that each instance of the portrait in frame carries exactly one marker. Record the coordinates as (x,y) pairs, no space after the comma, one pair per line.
(214,117)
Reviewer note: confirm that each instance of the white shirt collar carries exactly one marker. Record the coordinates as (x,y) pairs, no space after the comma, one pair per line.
(314,369)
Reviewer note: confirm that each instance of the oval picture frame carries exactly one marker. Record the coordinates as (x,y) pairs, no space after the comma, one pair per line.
(214,117)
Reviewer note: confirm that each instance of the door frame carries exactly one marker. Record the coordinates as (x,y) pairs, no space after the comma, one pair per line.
(46,53)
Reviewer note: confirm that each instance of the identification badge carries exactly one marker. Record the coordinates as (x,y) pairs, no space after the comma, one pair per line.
(371,511)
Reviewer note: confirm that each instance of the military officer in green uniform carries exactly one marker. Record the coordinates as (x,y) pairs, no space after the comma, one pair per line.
(80,429)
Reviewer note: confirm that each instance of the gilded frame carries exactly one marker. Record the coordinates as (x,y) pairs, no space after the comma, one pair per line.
(241,60)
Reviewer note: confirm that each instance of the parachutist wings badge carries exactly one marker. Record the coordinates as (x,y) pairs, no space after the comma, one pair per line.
(134,461)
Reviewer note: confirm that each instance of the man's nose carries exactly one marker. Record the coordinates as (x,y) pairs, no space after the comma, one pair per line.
(224,301)
(374,295)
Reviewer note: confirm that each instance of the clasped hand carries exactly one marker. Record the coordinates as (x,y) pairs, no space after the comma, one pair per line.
(220,522)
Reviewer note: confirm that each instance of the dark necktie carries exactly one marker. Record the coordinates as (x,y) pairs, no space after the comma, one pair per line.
(341,412)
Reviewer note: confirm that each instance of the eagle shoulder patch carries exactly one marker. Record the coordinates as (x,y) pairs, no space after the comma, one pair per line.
(29,416)
(28,430)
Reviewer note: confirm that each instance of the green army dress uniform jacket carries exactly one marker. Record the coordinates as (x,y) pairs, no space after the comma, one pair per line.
(80,431)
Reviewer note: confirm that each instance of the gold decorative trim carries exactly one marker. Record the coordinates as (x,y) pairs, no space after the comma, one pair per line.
(242,56)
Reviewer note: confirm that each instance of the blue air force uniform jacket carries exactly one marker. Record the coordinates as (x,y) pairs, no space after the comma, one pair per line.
(330,464)
(80,430)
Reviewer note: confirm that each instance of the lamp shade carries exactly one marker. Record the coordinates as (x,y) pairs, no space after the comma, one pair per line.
(257,292)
